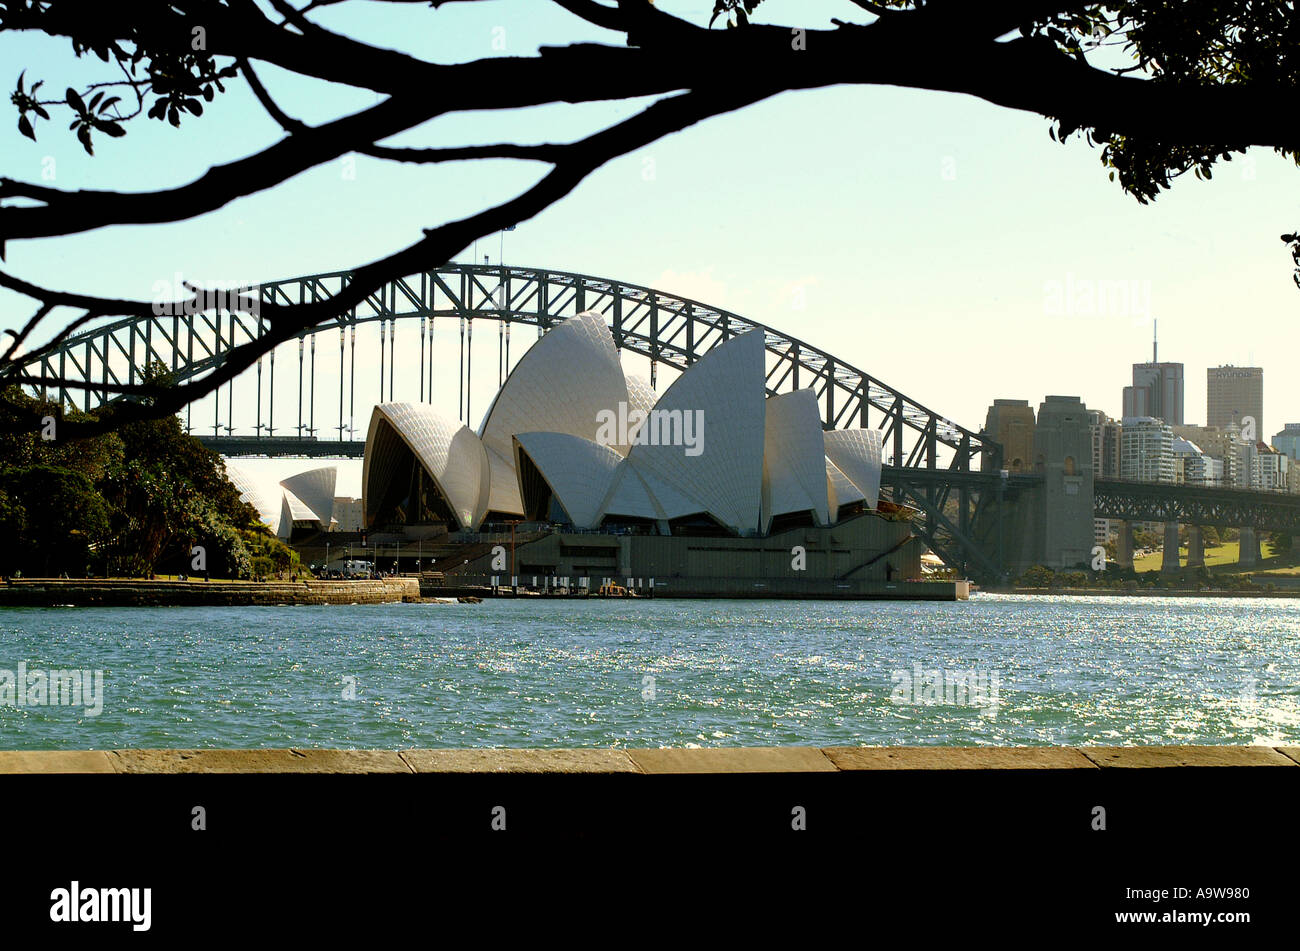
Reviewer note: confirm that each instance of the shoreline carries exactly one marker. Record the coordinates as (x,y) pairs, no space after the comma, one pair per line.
(141,592)
(126,592)
(646,761)
(130,592)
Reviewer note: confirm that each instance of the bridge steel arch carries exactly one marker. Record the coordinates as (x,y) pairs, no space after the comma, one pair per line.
(665,328)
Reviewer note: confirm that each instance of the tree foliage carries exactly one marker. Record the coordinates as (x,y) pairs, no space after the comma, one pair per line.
(131,501)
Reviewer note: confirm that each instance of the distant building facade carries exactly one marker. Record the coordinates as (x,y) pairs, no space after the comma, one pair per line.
(1224,446)
(1192,466)
(1288,441)
(1234,394)
(1268,469)
(349,514)
(1106,433)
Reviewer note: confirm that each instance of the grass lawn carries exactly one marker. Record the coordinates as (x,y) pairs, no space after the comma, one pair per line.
(1220,555)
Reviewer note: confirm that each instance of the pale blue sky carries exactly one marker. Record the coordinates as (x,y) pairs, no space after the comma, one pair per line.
(928,231)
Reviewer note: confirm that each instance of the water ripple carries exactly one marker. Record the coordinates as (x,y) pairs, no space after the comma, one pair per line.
(1070,670)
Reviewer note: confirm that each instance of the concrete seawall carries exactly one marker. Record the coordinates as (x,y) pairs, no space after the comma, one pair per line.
(783,759)
(741,589)
(117,592)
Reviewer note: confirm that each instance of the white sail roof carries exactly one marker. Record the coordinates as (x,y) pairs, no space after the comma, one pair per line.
(719,400)
(839,490)
(629,496)
(579,471)
(293,509)
(450,452)
(315,489)
(857,454)
(641,398)
(561,385)
(261,491)
(794,474)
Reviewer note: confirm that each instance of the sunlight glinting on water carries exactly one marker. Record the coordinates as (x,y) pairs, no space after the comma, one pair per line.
(1069,670)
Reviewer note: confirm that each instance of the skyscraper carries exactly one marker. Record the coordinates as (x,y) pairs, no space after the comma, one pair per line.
(1232,395)
(1157,390)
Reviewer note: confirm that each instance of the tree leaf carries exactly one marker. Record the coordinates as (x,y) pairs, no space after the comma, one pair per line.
(75,100)
(25,127)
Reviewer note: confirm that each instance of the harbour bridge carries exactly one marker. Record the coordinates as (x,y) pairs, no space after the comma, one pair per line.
(951,474)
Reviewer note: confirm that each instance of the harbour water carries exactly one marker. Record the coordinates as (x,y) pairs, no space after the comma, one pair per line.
(584,673)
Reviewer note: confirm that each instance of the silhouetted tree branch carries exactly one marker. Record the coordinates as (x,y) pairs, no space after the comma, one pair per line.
(1205,80)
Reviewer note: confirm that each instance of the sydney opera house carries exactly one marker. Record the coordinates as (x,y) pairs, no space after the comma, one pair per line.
(711,487)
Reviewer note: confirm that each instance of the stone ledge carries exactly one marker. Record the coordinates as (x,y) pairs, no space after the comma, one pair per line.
(55,761)
(258,761)
(520,761)
(957,757)
(1149,757)
(789,759)
(1291,752)
(126,592)
(750,759)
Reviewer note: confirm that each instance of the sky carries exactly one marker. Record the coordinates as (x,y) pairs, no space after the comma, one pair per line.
(948,247)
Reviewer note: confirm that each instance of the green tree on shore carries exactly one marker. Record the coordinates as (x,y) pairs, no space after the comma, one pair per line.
(131,501)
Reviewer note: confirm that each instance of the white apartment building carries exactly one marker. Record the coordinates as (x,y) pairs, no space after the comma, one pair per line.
(1268,469)
(1146,450)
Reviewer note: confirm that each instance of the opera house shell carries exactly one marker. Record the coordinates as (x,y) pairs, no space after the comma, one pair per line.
(305,499)
(571,440)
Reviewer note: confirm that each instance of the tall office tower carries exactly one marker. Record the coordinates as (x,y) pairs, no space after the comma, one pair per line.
(1232,394)
(1157,390)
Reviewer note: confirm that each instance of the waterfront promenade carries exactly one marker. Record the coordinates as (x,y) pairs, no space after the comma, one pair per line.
(780,759)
